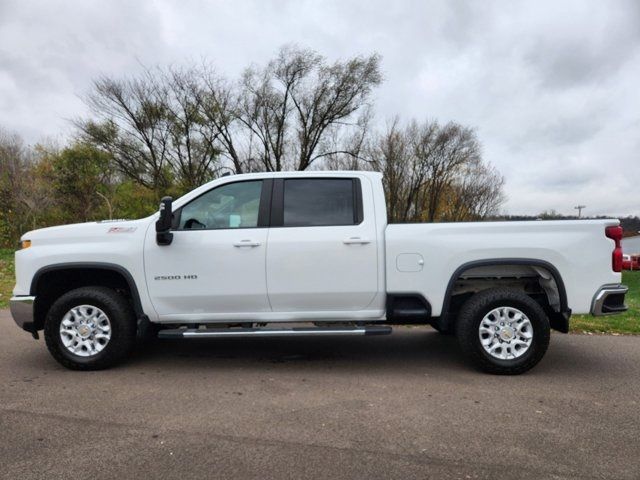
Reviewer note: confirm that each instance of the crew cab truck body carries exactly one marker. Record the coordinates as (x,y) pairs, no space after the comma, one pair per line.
(247,254)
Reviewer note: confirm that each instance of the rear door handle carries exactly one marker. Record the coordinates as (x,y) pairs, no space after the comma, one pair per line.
(356,241)
(246,243)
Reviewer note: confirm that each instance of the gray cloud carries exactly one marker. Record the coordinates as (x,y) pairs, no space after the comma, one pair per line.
(550,86)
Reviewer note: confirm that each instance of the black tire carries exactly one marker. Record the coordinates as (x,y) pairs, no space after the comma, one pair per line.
(479,305)
(121,318)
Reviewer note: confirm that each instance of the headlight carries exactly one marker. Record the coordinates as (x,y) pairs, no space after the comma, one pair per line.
(25,243)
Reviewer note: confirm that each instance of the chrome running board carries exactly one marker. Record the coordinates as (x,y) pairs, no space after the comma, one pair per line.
(272,332)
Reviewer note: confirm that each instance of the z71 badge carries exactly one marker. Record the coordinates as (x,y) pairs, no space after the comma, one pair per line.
(122,229)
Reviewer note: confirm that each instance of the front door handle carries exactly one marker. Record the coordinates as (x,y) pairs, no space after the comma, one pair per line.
(246,243)
(356,241)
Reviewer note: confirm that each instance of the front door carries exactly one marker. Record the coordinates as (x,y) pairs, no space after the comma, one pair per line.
(215,265)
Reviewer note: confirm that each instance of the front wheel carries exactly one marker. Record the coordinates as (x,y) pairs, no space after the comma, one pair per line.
(90,328)
(503,331)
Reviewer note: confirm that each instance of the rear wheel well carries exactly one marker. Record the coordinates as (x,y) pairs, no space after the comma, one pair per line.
(50,284)
(539,281)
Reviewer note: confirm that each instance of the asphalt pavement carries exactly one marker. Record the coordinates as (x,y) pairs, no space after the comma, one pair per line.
(399,406)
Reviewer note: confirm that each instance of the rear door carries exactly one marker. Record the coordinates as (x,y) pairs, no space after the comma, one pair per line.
(322,249)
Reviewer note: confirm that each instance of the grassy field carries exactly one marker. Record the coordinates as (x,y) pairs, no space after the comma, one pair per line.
(627,323)
(6,276)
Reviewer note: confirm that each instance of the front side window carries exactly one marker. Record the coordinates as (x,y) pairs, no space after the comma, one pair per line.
(319,202)
(235,205)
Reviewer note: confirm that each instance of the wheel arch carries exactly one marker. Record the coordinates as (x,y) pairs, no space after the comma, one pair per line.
(116,277)
(559,317)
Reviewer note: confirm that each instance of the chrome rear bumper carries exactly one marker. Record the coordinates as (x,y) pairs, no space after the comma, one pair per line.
(609,300)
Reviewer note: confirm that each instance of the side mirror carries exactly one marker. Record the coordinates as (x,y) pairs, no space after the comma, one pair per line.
(163,224)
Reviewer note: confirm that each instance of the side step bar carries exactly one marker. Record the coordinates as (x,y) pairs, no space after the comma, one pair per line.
(272,332)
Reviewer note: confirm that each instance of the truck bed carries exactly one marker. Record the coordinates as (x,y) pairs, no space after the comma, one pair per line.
(420,258)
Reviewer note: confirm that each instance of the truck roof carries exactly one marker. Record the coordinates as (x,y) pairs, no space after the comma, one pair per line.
(306,173)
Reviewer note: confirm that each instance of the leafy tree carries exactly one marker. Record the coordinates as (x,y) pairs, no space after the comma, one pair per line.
(132,200)
(82,180)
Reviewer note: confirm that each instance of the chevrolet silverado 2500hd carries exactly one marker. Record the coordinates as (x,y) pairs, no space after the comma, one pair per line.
(247,255)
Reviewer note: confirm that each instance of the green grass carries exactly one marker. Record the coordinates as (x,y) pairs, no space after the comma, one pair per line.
(7,276)
(626,323)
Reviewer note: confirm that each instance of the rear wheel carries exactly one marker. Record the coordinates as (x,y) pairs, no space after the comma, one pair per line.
(90,328)
(503,331)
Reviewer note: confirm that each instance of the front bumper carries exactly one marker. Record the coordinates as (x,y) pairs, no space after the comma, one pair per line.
(22,312)
(609,300)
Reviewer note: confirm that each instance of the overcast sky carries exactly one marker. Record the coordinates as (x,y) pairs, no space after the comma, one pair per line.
(553,88)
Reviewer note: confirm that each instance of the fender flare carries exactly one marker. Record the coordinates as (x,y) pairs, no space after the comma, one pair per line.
(562,292)
(135,295)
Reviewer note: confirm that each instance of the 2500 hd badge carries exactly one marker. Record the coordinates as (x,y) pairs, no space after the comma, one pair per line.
(176,277)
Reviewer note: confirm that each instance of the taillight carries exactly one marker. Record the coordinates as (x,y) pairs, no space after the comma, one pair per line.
(615,234)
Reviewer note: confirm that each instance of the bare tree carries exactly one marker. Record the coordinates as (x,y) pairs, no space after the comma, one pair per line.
(179,127)
(24,194)
(153,128)
(183,125)
(432,172)
(475,194)
(13,155)
(444,154)
(291,112)
(193,141)
(11,166)
(390,153)
(219,104)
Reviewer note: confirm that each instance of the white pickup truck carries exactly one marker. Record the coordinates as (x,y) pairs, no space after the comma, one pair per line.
(250,255)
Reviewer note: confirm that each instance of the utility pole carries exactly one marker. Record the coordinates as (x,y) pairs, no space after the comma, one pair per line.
(579,208)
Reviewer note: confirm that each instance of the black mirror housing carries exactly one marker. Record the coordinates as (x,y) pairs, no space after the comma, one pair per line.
(163,224)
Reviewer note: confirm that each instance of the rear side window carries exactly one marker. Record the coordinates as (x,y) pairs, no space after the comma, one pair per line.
(315,202)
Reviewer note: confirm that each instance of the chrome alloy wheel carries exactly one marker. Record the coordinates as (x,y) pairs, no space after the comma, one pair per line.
(505,333)
(85,330)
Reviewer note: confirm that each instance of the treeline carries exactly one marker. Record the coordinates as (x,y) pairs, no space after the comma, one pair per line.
(630,225)
(49,185)
(171,129)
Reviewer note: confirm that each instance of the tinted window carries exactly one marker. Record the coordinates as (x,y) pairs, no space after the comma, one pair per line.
(235,205)
(318,202)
